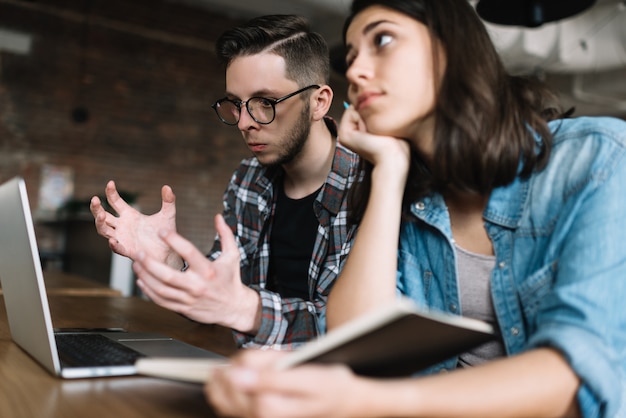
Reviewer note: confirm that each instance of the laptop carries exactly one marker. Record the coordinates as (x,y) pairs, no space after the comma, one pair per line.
(29,316)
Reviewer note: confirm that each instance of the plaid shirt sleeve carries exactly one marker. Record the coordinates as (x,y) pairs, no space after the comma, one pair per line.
(289,322)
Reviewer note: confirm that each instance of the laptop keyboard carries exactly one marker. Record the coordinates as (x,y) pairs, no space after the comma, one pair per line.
(86,350)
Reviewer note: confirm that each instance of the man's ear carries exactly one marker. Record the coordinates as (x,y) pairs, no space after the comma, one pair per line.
(321,99)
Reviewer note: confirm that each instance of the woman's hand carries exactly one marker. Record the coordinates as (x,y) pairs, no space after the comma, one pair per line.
(377,149)
(252,387)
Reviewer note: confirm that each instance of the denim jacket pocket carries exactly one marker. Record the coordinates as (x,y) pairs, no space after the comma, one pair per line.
(416,280)
(533,290)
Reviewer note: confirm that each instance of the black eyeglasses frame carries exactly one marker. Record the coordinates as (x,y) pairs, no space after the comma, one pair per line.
(273,102)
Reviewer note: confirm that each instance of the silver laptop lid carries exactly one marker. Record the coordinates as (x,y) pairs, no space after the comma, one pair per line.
(22,278)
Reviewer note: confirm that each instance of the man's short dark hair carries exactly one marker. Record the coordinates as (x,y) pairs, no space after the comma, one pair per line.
(305,52)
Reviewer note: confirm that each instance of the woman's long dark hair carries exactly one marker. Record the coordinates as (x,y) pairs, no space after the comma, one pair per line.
(482,114)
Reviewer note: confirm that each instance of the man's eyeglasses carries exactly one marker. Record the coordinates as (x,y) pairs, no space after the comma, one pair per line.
(261,109)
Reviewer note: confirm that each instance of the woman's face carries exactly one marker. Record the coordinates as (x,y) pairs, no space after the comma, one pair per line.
(390,71)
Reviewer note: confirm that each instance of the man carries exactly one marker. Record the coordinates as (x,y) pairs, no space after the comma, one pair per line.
(284,233)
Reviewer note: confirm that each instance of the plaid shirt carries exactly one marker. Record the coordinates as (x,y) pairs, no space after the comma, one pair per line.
(249,203)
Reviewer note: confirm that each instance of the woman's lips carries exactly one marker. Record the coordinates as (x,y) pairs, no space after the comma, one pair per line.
(366,99)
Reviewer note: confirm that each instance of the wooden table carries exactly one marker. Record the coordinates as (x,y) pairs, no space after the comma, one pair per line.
(27,390)
(60,283)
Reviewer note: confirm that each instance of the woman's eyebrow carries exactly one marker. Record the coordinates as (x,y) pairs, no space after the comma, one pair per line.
(367,29)
(371,26)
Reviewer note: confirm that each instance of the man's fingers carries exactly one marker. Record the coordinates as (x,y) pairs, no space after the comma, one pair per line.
(98,212)
(183,248)
(114,198)
(163,285)
(105,223)
(95,206)
(168,202)
(157,275)
(167,194)
(227,238)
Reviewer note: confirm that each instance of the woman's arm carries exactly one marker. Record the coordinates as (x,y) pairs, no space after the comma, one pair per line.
(368,278)
(538,383)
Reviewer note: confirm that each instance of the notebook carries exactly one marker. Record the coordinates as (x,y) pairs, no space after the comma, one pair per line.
(29,316)
(397,339)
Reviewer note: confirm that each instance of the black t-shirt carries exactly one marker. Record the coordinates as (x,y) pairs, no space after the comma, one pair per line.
(294,229)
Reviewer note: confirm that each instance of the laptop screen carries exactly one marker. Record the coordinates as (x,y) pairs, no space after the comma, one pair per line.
(22,278)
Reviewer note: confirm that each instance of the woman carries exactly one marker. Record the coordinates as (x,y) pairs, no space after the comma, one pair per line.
(504,210)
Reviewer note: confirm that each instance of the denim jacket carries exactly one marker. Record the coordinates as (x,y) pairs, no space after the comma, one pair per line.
(560,274)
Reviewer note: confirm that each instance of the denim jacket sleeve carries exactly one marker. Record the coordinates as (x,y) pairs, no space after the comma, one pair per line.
(582,311)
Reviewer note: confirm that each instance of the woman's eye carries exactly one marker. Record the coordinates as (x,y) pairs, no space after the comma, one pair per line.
(349,60)
(382,39)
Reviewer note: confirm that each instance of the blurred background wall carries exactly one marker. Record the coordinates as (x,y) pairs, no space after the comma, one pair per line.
(116,89)
(121,89)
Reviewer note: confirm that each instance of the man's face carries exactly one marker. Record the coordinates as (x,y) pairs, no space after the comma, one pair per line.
(263,75)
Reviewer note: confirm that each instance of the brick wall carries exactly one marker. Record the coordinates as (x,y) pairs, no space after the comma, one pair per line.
(146,74)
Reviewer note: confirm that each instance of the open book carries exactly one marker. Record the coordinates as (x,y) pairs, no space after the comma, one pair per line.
(397,340)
